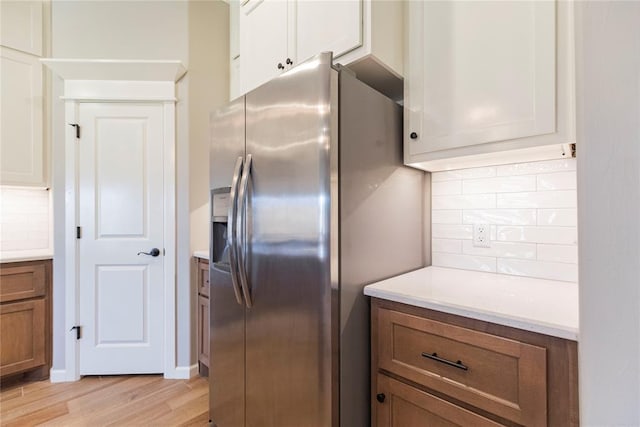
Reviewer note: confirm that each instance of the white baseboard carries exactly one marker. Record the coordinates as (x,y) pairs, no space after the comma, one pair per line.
(58,376)
(182,372)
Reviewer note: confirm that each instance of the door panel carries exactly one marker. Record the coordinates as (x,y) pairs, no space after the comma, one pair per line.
(112,283)
(121,214)
(289,337)
(120,177)
(226,316)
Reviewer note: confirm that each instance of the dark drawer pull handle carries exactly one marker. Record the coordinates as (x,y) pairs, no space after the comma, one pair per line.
(434,356)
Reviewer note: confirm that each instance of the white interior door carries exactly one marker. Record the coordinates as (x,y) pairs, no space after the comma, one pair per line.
(121,293)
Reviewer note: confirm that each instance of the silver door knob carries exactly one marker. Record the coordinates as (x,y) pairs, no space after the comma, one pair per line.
(153,252)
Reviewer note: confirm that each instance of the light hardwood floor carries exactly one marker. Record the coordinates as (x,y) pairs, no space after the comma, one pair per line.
(140,400)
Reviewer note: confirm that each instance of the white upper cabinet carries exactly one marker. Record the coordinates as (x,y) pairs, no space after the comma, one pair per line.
(22,142)
(21,25)
(322,26)
(234,27)
(488,82)
(21,112)
(234,49)
(263,41)
(366,35)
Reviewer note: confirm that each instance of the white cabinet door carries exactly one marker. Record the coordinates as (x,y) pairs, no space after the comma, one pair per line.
(486,77)
(21,25)
(234,24)
(263,41)
(234,78)
(21,143)
(323,26)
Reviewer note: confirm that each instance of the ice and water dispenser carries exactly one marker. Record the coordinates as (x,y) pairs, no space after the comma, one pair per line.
(219,211)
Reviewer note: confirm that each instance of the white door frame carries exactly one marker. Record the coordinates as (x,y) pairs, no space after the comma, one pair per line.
(98,91)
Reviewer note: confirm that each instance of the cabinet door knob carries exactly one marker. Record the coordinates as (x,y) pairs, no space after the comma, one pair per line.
(289,61)
(413,135)
(380,397)
(280,66)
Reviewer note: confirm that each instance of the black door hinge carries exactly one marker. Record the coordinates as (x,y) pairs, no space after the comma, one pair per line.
(78,331)
(77,126)
(78,232)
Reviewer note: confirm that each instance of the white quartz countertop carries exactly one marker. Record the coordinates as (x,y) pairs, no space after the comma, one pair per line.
(31,255)
(204,254)
(545,306)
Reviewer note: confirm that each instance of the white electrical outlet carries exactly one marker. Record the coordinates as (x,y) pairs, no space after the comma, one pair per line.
(481,235)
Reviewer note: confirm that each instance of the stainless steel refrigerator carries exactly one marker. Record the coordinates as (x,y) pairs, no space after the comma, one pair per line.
(309,203)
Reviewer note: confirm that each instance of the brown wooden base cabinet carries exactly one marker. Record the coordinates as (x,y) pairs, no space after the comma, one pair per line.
(435,369)
(203,315)
(25,319)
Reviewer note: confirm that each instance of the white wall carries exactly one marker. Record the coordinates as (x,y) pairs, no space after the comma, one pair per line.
(530,209)
(608,95)
(153,29)
(208,89)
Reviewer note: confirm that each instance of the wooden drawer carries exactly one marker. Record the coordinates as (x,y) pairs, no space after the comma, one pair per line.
(22,280)
(22,328)
(502,376)
(203,277)
(400,405)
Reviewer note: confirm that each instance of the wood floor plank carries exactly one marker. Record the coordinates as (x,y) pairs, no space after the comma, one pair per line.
(148,408)
(188,411)
(196,391)
(50,396)
(141,400)
(40,416)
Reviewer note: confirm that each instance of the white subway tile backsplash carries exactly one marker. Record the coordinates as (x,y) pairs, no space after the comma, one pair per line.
(449,246)
(531,208)
(24,219)
(539,269)
(446,187)
(558,253)
(451,231)
(553,235)
(501,250)
(475,201)
(537,167)
(542,199)
(557,181)
(558,217)
(463,174)
(500,185)
(465,262)
(446,217)
(499,216)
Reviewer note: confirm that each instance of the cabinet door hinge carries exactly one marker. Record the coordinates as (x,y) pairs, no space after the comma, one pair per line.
(78,331)
(77,126)
(78,232)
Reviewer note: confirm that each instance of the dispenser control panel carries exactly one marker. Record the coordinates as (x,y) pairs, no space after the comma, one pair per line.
(220,208)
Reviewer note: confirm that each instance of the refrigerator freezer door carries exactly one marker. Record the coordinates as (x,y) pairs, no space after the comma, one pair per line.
(289,365)
(226,316)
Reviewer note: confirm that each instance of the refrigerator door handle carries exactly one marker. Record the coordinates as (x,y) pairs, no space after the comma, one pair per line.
(242,224)
(231,229)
